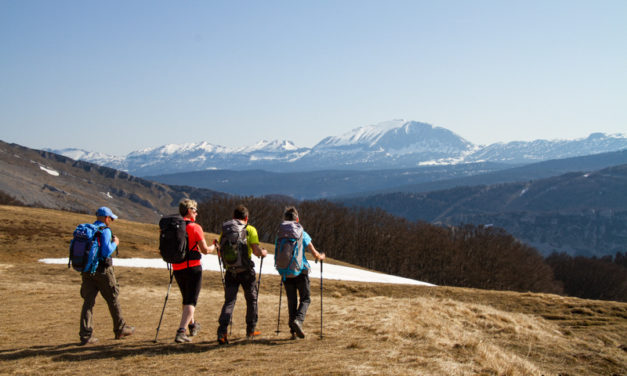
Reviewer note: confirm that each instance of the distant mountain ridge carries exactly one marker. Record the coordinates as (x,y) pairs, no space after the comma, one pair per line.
(581,213)
(497,175)
(310,185)
(345,184)
(388,145)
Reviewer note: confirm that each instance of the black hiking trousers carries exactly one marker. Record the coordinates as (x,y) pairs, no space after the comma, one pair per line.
(232,282)
(295,287)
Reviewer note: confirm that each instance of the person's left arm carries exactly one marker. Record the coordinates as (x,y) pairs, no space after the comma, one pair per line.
(253,240)
(109,243)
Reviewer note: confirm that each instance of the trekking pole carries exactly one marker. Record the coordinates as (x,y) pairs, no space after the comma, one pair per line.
(166,300)
(258,287)
(219,263)
(215,242)
(278,320)
(259,281)
(321,262)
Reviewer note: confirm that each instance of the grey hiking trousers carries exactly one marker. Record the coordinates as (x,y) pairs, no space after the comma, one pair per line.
(105,283)
(231,286)
(295,287)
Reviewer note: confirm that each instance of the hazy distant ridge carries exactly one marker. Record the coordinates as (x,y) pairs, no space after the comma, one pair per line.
(392,144)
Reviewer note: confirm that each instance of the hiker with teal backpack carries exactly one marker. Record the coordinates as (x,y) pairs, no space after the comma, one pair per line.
(238,242)
(289,257)
(90,253)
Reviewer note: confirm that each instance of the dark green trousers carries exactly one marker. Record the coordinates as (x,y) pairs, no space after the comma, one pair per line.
(102,282)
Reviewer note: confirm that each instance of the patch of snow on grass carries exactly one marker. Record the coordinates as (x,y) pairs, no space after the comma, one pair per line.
(330,271)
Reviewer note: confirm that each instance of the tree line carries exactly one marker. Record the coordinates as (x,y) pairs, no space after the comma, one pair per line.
(591,278)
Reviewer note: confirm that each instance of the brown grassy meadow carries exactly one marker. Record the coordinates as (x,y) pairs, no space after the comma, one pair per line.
(369,329)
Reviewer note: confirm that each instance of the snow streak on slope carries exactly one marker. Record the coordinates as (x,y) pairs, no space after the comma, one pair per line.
(331,271)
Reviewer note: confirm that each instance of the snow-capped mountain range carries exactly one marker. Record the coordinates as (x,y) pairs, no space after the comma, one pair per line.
(391,144)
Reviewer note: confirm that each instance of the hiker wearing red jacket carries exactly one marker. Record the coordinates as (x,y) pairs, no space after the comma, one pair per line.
(188,273)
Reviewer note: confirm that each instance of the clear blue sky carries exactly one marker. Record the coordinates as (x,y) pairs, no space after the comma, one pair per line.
(142,74)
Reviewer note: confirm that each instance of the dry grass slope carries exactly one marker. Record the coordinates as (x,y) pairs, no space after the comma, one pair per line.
(369,329)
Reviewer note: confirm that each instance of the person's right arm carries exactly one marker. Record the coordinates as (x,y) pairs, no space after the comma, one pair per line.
(259,251)
(318,255)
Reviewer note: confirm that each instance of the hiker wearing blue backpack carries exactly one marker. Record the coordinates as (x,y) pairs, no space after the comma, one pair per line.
(102,280)
(188,273)
(238,241)
(291,243)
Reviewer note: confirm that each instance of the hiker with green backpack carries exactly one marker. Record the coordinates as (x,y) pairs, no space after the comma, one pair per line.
(289,259)
(90,253)
(238,242)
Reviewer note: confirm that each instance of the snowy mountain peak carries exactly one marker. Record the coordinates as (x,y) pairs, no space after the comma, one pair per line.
(399,137)
(174,149)
(80,154)
(270,146)
(365,135)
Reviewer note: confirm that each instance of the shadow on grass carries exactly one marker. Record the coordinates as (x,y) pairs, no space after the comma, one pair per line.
(74,352)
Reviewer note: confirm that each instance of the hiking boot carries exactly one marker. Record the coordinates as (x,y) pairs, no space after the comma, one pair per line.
(293,336)
(297,325)
(88,341)
(181,337)
(253,334)
(125,332)
(194,328)
(222,340)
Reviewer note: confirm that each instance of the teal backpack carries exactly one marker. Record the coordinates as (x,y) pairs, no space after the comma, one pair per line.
(289,253)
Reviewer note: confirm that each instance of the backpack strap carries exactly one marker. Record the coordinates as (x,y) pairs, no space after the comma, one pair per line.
(246,238)
(69,261)
(194,248)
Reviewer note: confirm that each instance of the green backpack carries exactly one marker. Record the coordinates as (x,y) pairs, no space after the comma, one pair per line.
(234,246)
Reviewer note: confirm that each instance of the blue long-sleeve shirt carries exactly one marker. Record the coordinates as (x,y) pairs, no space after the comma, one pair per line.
(107,247)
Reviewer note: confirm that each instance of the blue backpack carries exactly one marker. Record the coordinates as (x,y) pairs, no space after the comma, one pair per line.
(289,253)
(85,248)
